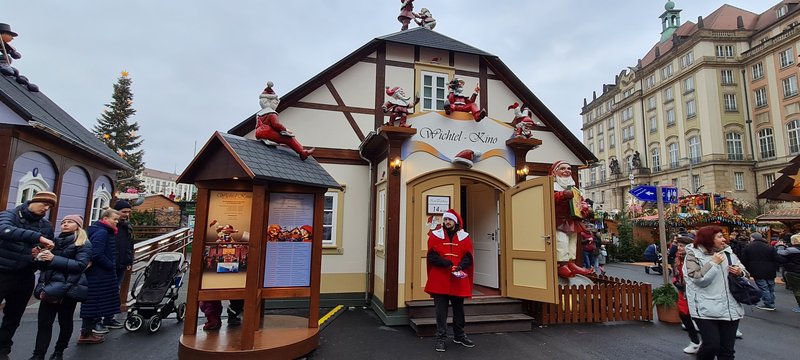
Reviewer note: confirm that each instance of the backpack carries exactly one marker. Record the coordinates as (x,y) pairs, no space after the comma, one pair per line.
(744,290)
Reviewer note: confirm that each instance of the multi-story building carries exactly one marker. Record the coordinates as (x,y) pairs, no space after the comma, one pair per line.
(712,107)
(160,182)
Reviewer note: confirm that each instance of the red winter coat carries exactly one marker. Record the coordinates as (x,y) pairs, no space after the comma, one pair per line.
(565,222)
(440,278)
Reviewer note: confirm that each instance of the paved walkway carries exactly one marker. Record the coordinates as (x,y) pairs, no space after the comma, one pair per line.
(357,333)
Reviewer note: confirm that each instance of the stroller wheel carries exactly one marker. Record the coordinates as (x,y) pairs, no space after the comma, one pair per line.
(180,312)
(647,269)
(134,322)
(154,324)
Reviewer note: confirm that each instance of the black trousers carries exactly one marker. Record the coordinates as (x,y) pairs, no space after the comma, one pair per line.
(47,315)
(441,303)
(686,319)
(16,290)
(719,337)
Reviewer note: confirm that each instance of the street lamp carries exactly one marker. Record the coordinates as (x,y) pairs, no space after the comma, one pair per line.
(691,177)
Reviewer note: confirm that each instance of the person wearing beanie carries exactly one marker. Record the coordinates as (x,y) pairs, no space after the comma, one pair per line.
(123,245)
(762,260)
(679,281)
(62,268)
(569,212)
(24,231)
(450,276)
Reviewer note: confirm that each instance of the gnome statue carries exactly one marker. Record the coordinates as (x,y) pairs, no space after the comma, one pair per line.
(270,130)
(522,123)
(406,13)
(425,19)
(399,105)
(570,209)
(7,53)
(457,101)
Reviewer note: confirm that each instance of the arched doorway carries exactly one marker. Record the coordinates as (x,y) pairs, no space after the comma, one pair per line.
(479,199)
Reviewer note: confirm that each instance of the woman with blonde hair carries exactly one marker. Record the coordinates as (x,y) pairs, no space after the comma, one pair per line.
(61,285)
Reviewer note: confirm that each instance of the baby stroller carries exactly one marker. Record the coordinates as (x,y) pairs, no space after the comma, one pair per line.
(154,299)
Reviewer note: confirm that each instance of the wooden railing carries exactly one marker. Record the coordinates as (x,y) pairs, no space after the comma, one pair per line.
(143,251)
(609,299)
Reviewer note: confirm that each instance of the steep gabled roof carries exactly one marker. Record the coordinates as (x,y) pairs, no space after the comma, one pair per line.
(42,113)
(770,16)
(254,159)
(421,36)
(429,38)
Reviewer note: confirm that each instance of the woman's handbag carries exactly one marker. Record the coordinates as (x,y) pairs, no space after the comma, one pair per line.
(744,290)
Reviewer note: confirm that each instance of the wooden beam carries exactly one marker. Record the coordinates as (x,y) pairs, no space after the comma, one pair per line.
(347,114)
(7,143)
(380,85)
(338,156)
(252,299)
(484,83)
(337,108)
(196,265)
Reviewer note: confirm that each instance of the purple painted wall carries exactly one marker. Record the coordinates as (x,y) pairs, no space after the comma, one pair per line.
(25,163)
(74,191)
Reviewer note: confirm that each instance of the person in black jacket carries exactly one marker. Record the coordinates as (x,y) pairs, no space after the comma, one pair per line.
(61,285)
(21,229)
(761,260)
(123,243)
(790,257)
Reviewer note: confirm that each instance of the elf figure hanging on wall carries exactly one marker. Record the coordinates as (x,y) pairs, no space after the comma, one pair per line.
(399,106)
(570,209)
(457,101)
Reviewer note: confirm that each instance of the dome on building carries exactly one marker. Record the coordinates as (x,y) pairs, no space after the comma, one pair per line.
(669,5)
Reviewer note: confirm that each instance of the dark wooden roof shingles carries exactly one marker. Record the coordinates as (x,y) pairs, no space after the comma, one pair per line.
(38,107)
(279,163)
(428,38)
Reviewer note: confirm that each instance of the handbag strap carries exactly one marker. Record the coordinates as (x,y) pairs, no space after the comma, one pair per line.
(728,255)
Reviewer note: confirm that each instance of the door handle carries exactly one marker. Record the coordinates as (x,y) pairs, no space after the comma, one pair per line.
(491,236)
(547,239)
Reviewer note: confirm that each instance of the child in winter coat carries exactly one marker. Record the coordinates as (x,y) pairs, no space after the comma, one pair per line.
(601,259)
(62,285)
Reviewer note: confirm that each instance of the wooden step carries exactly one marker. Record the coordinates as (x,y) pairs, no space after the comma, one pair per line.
(475,306)
(478,324)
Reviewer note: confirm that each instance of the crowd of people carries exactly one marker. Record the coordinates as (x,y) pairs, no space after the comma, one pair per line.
(77,265)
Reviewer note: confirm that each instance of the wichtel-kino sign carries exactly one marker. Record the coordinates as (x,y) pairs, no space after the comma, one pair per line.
(444,137)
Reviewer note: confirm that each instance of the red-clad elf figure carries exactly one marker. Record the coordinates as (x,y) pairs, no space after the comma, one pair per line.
(271,130)
(457,101)
(450,274)
(568,225)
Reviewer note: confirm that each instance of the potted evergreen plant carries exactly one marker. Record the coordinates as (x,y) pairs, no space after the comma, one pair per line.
(665,298)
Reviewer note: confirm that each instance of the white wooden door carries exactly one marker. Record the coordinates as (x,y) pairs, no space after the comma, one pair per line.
(483,204)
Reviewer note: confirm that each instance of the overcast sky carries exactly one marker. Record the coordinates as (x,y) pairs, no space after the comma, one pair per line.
(198,66)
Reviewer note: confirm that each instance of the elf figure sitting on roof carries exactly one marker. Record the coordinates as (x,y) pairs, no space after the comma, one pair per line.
(269,129)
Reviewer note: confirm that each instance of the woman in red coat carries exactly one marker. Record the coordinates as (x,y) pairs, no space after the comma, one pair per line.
(450,276)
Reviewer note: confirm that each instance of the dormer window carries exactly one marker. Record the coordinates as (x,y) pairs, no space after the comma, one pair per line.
(781,11)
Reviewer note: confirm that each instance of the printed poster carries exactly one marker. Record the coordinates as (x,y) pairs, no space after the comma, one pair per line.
(289,240)
(225,250)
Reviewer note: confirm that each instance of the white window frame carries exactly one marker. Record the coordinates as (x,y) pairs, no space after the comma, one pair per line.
(769,179)
(669,117)
(793,133)
(733,141)
(434,100)
(674,155)
(653,123)
(758,71)
(695,149)
(781,11)
(666,71)
(726,77)
(627,114)
(687,60)
(29,185)
(738,180)
(612,141)
(334,195)
(651,103)
(601,145)
(669,94)
(380,239)
(786,58)
(725,51)
(696,182)
(761,96)
(766,143)
(655,157)
(101,199)
(730,102)
(688,85)
(790,86)
(691,108)
(650,81)
(611,123)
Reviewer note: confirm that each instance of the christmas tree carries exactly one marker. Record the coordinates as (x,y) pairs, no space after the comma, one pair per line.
(114,129)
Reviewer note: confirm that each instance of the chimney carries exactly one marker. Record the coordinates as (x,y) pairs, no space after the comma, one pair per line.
(739,22)
(658,52)
(584,102)
(594,95)
(700,24)
(616,79)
